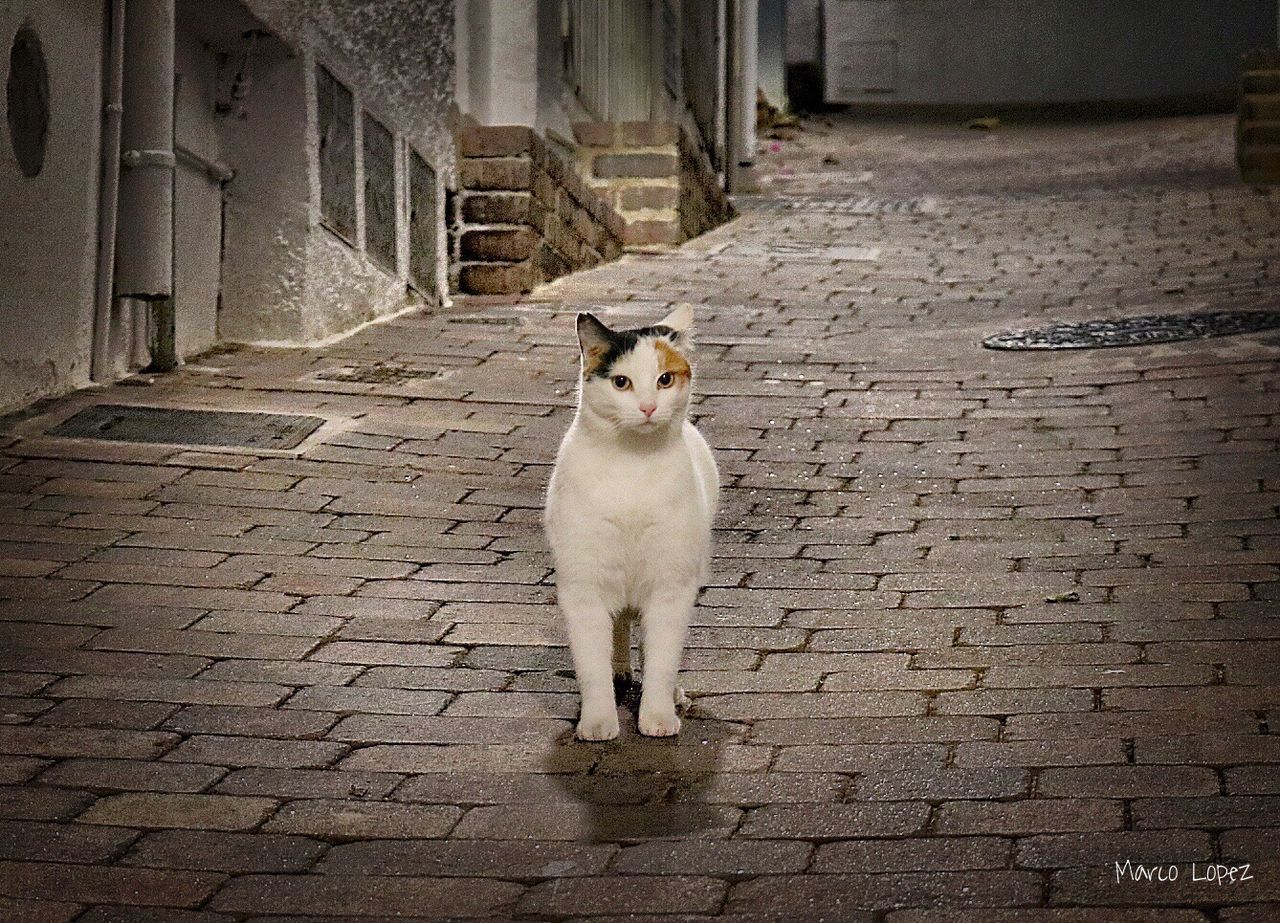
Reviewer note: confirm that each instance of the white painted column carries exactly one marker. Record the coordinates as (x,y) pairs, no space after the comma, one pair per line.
(742,81)
(502,60)
(749,49)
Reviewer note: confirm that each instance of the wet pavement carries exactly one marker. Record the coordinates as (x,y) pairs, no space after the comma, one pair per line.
(982,624)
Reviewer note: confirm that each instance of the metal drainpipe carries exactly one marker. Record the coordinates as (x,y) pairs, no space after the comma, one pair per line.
(100,365)
(742,80)
(144,245)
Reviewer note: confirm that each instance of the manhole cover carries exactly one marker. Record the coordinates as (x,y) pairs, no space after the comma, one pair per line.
(925,206)
(1136,331)
(796,252)
(492,319)
(171,426)
(377,373)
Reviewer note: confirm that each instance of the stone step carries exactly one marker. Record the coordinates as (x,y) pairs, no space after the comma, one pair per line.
(1260,81)
(1260,163)
(1262,106)
(1258,131)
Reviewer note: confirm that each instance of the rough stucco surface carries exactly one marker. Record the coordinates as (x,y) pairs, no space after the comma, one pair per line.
(48,235)
(402,51)
(398,58)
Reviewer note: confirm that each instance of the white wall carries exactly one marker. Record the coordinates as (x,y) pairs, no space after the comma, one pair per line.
(197,216)
(48,232)
(1039,51)
(502,60)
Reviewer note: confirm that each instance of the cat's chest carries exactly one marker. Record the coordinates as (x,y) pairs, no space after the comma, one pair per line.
(635,493)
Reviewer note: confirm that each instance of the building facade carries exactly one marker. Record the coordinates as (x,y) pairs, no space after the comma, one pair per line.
(179,173)
(268,171)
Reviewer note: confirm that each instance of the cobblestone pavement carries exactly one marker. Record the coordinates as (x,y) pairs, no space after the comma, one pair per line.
(330,684)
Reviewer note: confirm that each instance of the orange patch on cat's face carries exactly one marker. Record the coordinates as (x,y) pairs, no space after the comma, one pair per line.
(591,360)
(671,361)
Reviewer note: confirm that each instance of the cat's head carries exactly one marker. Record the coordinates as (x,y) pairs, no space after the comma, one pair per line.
(637,380)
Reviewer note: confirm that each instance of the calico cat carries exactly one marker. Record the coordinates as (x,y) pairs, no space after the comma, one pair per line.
(628,516)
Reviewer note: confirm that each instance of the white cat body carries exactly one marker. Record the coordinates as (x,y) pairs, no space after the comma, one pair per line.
(628,516)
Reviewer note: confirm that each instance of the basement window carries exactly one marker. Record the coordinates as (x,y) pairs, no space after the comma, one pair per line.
(379,193)
(422,224)
(27,102)
(336,111)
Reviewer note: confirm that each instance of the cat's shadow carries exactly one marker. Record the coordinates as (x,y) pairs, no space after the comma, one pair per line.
(644,788)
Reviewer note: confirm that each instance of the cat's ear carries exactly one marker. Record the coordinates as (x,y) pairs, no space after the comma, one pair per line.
(592,333)
(595,339)
(680,320)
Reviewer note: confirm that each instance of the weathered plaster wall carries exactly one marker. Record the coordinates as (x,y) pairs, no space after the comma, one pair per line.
(397,57)
(268,204)
(197,215)
(48,235)
(402,52)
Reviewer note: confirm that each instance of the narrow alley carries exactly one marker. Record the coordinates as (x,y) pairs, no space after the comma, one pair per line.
(983,625)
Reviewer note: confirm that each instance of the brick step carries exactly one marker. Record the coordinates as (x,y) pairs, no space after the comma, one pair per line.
(1260,163)
(1257,131)
(1260,81)
(1262,106)
(499,245)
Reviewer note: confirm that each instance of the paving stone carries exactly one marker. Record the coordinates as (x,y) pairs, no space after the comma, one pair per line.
(488,858)
(303,783)
(900,715)
(361,895)
(34,841)
(194,812)
(731,859)
(594,823)
(257,751)
(216,851)
(109,885)
(931,854)
(828,895)
(837,821)
(349,820)
(628,894)
(133,775)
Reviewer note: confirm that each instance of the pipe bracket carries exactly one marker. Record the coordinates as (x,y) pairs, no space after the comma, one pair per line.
(152,158)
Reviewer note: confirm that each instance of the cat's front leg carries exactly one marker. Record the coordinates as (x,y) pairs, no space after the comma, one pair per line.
(590,629)
(664,622)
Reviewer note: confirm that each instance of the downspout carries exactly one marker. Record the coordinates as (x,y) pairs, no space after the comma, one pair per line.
(744,81)
(144,245)
(100,364)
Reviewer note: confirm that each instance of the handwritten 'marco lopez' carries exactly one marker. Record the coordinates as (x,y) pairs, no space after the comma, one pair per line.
(1215,872)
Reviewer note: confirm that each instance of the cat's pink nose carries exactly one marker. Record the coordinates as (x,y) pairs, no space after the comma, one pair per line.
(648,409)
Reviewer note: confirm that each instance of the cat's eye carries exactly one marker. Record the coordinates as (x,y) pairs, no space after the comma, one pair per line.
(621,382)
(666,380)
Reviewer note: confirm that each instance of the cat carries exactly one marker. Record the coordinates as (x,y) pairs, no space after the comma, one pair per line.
(628,517)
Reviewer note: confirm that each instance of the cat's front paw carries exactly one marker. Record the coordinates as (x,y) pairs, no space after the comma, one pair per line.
(659,723)
(602,725)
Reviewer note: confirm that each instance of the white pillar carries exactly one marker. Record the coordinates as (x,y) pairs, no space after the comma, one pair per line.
(502,61)
(750,50)
(744,80)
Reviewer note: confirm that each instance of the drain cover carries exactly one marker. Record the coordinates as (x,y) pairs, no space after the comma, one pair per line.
(797,252)
(924,206)
(377,373)
(171,426)
(492,319)
(1136,331)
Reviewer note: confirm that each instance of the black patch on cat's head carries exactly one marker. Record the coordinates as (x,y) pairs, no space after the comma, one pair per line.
(602,347)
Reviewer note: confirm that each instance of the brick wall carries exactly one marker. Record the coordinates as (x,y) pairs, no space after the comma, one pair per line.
(703,201)
(522,215)
(654,176)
